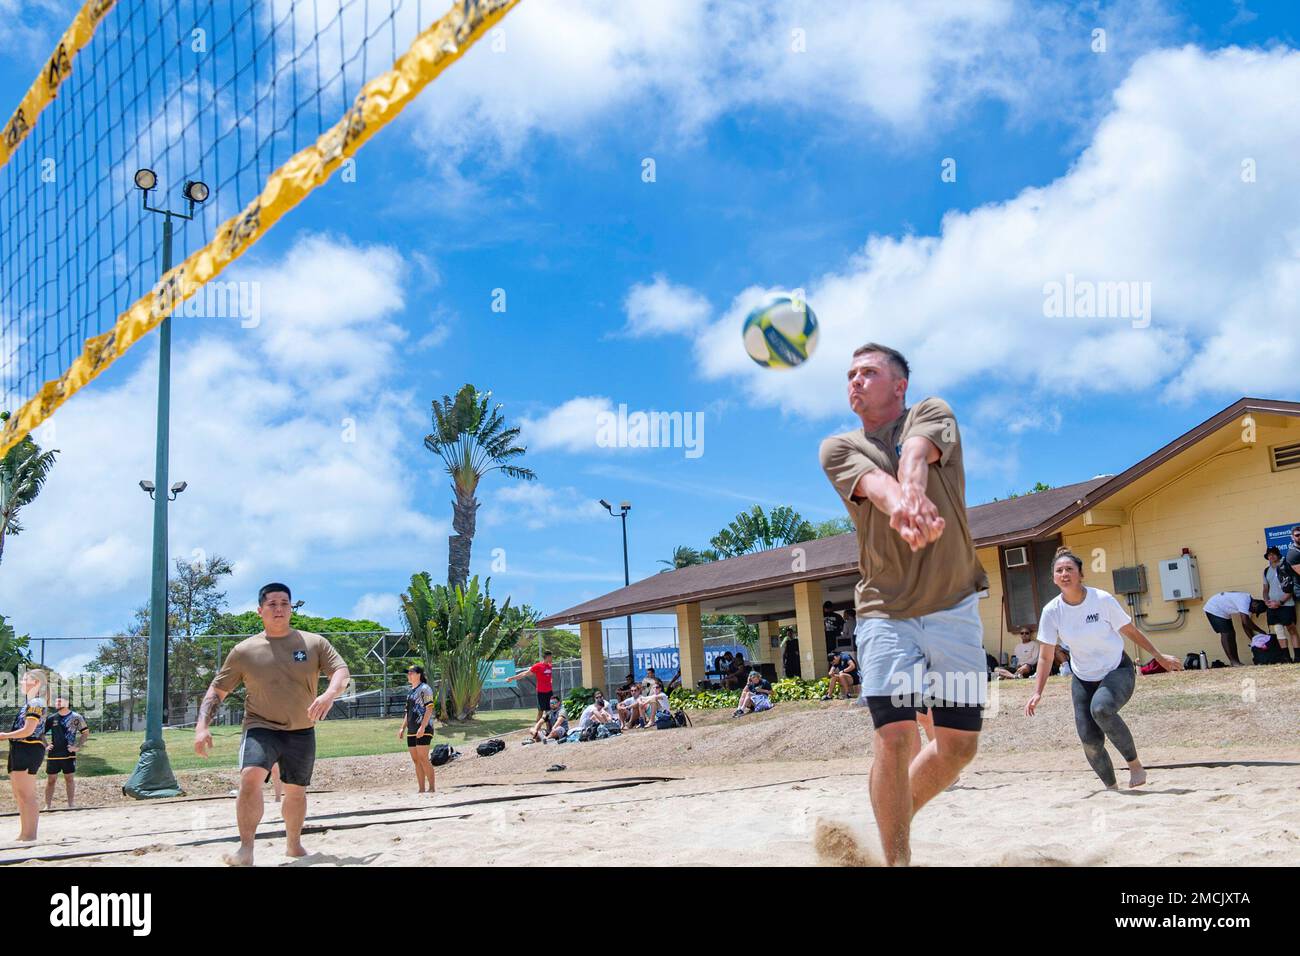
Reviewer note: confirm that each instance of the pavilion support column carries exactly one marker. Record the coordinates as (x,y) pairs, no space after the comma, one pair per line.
(690,645)
(812,629)
(593,655)
(764,652)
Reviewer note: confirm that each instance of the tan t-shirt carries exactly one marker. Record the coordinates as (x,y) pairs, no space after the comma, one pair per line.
(281,675)
(895,581)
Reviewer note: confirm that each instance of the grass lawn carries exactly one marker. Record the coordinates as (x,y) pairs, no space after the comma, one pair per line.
(111,753)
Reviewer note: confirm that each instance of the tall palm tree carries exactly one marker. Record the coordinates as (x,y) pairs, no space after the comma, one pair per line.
(23,471)
(471,440)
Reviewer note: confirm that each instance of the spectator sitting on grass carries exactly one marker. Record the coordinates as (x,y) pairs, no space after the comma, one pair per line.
(736,678)
(629,708)
(597,712)
(552,725)
(756,696)
(653,701)
(1026,654)
(843,675)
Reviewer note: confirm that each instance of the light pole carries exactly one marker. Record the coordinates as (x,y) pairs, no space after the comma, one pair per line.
(153,775)
(624,508)
(175,492)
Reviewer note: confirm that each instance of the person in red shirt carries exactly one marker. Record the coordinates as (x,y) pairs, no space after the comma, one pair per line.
(542,672)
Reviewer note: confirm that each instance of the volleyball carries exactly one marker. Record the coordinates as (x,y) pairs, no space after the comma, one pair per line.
(781,332)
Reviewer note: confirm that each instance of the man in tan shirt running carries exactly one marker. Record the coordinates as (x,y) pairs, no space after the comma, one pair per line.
(280,670)
(919,638)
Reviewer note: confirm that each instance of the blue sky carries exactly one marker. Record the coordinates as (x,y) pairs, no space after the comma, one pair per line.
(521,170)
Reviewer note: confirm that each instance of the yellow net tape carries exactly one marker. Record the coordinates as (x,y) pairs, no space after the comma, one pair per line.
(378,103)
(42,92)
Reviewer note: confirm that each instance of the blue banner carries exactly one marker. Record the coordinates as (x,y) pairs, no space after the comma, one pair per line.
(667,662)
(495,674)
(1279,536)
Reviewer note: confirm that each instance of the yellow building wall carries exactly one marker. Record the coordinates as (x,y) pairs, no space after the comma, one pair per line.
(1217,508)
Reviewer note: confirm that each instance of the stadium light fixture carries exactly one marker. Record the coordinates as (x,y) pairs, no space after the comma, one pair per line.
(624,508)
(147,487)
(145,179)
(195,191)
(178,488)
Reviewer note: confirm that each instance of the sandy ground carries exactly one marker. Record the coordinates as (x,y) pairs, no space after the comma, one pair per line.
(1224,788)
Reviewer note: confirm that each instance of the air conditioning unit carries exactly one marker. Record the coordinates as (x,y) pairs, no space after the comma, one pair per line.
(1016,557)
(1129,580)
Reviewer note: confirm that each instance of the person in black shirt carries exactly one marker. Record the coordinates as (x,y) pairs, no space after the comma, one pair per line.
(834,625)
(67,731)
(843,673)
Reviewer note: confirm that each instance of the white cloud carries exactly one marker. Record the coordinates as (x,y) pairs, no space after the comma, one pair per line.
(1158,196)
(904,65)
(381,607)
(568,427)
(290,435)
(658,307)
(534,505)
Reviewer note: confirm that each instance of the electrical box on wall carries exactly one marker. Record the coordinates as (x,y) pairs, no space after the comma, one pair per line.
(1129,580)
(1179,578)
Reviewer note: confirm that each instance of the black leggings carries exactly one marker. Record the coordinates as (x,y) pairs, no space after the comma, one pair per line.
(1096,717)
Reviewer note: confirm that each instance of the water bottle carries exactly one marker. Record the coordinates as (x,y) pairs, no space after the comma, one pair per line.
(1205,663)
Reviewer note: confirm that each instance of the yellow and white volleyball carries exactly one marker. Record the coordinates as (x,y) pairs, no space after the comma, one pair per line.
(781,332)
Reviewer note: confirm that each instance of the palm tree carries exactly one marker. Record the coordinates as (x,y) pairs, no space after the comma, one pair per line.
(471,441)
(755,531)
(684,556)
(23,471)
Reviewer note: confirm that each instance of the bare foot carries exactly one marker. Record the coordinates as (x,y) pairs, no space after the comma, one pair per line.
(1136,776)
(297,850)
(23,838)
(241,857)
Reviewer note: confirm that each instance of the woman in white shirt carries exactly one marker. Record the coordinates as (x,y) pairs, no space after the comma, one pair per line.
(1091,625)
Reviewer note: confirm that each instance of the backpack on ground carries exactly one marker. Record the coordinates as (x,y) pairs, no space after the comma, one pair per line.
(489,747)
(589,733)
(664,720)
(442,754)
(606,730)
(680,718)
(1152,666)
(1192,662)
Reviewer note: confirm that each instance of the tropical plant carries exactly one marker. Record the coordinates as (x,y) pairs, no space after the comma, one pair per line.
(460,631)
(791,688)
(563,644)
(684,556)
(577,700)
(13,649)
(471,440)
(755,530)
(23,471)
(833,527)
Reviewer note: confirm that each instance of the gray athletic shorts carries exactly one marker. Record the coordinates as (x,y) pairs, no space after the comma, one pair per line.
(293,750)
(939,656)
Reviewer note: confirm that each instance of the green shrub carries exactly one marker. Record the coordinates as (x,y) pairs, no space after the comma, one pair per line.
(577,700)
(792,688)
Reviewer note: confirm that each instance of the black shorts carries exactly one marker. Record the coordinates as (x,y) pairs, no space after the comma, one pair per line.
(27,757)
(1284,615)
(1221,625)
(293,750)
(56,764)
(424,740)
(886,710)
(544,700)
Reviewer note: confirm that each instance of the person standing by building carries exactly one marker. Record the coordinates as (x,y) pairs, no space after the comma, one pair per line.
(280,669)
(1091,623)
(67,731)
(543,672)
(1219,611)
(919,637)
(1279,596)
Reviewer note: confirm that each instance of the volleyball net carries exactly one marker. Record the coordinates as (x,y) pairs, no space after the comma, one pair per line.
(262,100)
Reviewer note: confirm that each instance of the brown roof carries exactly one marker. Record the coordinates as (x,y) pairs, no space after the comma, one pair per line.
(998,522)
